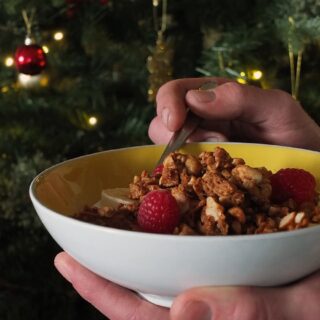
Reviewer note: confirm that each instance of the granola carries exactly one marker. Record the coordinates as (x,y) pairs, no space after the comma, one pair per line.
(216,194)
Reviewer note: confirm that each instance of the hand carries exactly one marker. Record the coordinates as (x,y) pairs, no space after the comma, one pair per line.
(235,112)
(295,302)
(115,302)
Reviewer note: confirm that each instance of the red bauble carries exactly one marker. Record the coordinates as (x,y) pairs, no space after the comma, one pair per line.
(30,59)
(74,5)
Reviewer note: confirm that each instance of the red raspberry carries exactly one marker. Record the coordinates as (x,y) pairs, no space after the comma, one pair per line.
(296,184)
(158,212)
(158,170)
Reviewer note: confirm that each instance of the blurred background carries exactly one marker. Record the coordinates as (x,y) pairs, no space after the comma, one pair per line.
(80,76)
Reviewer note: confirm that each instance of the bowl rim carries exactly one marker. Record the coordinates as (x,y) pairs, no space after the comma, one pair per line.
(273,235)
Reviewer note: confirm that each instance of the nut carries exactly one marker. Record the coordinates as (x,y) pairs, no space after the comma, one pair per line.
(238,213)
(193,165)
(287,221)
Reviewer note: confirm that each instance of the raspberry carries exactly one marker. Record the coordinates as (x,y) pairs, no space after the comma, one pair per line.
(158,170)
(158,212)
(293,183)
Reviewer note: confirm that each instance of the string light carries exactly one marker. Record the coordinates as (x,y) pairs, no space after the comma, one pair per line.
(241,80)
(58,36)
(256,74)
(92,121)
(29,81)
(5,89)
(45,49)
(9,62)
(44,81)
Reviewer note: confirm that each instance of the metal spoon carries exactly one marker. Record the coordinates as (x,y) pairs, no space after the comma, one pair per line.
(191,123)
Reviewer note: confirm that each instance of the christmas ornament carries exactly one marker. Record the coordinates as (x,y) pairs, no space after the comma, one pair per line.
(295,67)
(159,63)
(73,6)
(29,82)
(30,58)
(37,81)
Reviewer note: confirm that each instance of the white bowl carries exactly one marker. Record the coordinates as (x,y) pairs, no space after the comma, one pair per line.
(159,267)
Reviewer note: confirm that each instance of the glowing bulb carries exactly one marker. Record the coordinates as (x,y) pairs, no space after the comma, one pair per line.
(58,36)
(44,81)
(9,62)
(241,80)
(92,121)
(4,89)
(242,74)
(28,81)
(45,49)
(257,74)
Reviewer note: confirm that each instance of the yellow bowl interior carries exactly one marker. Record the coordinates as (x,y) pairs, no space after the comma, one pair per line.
(69,186)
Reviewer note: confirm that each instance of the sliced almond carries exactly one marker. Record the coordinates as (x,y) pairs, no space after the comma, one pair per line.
(299,217)
(287,220)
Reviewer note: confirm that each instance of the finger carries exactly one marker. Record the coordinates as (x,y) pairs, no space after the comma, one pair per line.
(112,300)
(271,116)
(309,289)
(201,135)
(228,303)
(250,303)
(234,101)
(171,105)
(159,134)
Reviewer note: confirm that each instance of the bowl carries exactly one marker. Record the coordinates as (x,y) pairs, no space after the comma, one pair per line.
(158,266)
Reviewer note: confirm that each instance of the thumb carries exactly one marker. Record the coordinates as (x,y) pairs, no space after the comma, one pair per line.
(113,301)
(230,303)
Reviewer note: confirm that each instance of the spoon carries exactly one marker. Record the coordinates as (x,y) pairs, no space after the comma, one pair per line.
(191,123)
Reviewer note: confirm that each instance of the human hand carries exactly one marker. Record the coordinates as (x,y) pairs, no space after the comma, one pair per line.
(295,301)
(233,112)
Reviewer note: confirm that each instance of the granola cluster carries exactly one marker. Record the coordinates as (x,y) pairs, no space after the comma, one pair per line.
(216,194)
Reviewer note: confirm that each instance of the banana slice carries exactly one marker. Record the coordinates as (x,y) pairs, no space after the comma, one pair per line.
(113,197)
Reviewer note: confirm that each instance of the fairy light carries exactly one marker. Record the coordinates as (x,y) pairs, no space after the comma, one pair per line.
(44,81)
(58,36)
(92,121)
(241,80)
(9,62)
(5,89)
(257,74)
(29,81)
(45,49)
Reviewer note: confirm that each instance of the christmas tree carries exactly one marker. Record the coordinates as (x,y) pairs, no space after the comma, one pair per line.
(80,76)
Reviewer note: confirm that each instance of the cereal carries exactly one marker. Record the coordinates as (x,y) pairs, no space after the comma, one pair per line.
(216,195)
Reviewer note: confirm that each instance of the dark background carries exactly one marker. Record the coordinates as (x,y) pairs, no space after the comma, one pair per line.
(99,70)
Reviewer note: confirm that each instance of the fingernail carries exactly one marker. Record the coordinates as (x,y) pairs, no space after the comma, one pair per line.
(165,116)
(208,85)
(214,139)
(196,310)
(204,96)
(63,268)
